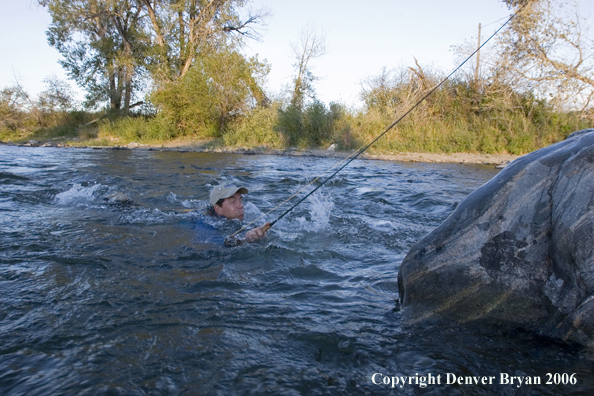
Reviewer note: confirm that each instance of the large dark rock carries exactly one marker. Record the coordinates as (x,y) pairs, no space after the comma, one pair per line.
(518,250)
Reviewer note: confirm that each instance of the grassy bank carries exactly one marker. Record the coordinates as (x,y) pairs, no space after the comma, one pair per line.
(447,124)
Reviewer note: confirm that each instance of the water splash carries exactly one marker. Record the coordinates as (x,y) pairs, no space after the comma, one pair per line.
(319,213)
(171,197)
(198,205)
(321,207)
(79,194)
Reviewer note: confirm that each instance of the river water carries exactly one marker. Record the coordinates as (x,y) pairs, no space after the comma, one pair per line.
(102,298)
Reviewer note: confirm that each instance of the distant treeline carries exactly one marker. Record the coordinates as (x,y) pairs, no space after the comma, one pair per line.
(460,116)
(167,70)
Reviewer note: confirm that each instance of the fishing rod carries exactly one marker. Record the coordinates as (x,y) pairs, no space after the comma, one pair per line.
(361,150)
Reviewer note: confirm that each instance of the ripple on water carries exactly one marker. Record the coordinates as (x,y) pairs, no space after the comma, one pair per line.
(103,298)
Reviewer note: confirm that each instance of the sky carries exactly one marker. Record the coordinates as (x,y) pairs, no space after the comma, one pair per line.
(362,37)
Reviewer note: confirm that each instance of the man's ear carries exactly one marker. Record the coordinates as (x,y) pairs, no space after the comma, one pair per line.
(218,210)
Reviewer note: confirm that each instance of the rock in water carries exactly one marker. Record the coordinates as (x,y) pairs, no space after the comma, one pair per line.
(119,198)
(518,250)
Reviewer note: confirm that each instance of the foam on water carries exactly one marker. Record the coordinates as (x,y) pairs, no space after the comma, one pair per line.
(145,216)
(134,292)
(381,225)
(79,194)
(320,209)
(172,197)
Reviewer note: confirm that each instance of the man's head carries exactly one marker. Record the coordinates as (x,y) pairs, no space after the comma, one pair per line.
(226,201)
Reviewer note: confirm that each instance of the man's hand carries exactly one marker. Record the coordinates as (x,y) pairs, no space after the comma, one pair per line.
(257,233)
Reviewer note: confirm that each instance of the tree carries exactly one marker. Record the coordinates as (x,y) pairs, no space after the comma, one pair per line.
(311,45)
(304,123)
(547,49)
(217,89)
(392,92)
(110,45)
(102,44)
(57,97)
(183,30)
(13,109)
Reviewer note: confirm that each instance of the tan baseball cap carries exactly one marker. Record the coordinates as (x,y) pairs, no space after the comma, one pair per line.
(225,191)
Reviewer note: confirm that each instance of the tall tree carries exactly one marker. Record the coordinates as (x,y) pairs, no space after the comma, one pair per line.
(109,45)
(182,30)
(201,80)
(549,49)
(305,122)
(217,89)
(102,43)
(311,45)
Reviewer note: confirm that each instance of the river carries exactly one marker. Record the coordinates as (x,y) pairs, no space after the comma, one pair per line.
(104,298)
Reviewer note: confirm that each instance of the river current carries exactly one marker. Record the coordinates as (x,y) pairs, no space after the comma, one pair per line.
(104,298)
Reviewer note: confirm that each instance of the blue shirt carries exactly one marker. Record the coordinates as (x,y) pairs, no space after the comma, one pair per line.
(213,230)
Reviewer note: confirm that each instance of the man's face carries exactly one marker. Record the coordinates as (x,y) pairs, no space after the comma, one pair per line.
(232,207)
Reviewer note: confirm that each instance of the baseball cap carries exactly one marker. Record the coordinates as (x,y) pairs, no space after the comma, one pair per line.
(225,191)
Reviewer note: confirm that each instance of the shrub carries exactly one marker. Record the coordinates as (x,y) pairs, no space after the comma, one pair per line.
(256,129)
(138,129)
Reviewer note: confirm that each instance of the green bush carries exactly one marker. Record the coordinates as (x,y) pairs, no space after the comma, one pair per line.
(256,129)
(136,129)
(218,89)
(315,125)
(217,99)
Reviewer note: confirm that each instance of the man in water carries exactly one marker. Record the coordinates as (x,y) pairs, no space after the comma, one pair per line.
(227,201)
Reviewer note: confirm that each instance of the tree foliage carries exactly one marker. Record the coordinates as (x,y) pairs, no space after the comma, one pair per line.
(102,42)
(110,46)
(460,116)
(183,30)
(187,55)
(13,115)
(311,45)
(548,50)
(306,120)
(57,96)
(394,91)
(53,110)
(217,89)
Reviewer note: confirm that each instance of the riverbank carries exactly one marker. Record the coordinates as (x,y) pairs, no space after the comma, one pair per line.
(465,158)
(213,146)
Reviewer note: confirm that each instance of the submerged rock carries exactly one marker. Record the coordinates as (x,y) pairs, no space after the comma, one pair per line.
(119,198)
(502,165)
(32,143)
(519,250)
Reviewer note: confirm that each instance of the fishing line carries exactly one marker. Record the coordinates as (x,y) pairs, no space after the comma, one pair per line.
(361,150)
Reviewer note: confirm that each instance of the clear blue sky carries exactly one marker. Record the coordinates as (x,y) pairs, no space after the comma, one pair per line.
(361,37)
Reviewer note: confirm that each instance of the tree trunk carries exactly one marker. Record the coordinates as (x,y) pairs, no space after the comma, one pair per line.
(112,90)
(128,92)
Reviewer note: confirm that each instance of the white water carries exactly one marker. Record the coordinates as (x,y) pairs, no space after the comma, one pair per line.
(105,298)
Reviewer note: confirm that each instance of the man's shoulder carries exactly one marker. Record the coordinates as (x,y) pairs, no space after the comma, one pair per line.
(207,227)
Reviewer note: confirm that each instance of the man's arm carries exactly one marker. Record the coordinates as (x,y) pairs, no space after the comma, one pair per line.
(257,233)
(251,236)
